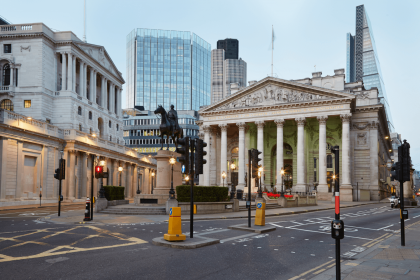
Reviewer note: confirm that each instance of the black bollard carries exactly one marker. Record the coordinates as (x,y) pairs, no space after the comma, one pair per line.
(87,211)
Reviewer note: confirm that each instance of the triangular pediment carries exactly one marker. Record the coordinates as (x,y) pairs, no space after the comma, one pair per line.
(101,56)
(274,91)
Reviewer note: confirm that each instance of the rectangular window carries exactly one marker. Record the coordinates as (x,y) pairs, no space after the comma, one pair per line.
(27,104)
(7,48)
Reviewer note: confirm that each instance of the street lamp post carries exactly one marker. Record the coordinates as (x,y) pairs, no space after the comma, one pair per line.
(223,177)
(172,161)
(120,169)
(138,185)
(233,187)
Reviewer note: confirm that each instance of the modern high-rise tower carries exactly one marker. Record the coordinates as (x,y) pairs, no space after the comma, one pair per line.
(167,67)
(226,69)
(362,59)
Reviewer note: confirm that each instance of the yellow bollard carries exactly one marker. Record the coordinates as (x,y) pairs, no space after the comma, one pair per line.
(174,227)
(260,214)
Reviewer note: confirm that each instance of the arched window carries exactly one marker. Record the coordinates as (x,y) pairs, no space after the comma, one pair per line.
(6,75)
(79,110)
(90,115)
(80,127)
(329,161)
(90,131)
(7,104)
(110,137)
(117,127)
(110,124)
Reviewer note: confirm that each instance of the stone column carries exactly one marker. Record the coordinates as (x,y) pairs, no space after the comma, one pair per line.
(70,73)
(119,107)
(128,179)
(63,71)
(80,78)
(85,80)
(346,189)
(12,72)
(104,93)
(93,97)
(260,147)
(84,175)
(223,153)
(74,73)
(301,179)
(241,156)
(133,189)
(4,143)
(91,85)
(112,98)
(279,152)
(206,171)
(71,182)
(322,162)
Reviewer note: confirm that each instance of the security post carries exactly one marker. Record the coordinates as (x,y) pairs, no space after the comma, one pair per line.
(174,226)
(337,226)
(260,214)
(87,211)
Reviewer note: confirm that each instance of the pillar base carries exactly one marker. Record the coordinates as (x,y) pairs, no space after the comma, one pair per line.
(325,196)
(322,188)
(278,188)
(240,186)
(300,188)
(346,193)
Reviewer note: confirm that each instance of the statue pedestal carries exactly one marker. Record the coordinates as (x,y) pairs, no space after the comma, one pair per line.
(164,171)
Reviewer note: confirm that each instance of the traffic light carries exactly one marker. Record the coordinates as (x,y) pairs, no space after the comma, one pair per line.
(199,154)
(185,152)
(395,172)
(255,160)
(61,170)
(99,171)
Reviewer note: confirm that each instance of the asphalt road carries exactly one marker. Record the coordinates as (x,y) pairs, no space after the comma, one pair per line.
(300,248)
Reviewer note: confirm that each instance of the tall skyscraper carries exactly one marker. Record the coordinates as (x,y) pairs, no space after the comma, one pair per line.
(167,67)
(231,47)
(362,59)
(226,69)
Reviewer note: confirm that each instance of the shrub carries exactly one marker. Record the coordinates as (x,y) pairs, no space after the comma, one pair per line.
(202,194)
(114,193)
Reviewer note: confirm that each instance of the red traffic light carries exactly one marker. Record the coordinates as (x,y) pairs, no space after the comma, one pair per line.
(99,169)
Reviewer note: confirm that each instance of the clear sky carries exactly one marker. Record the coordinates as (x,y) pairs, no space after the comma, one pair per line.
(307,32)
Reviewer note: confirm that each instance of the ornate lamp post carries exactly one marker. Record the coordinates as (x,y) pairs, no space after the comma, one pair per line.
(153,176)
(138,183)
(232,188)
(282,181)
(187,178)
(223,177)
(172,161)
(120,169)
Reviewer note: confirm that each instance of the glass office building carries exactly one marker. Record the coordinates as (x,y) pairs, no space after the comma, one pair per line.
(167,67)
(362,59)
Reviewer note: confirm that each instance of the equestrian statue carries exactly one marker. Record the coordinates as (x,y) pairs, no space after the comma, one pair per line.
(169,126)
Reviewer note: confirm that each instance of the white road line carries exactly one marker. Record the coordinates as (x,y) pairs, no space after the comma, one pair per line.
(385,227)
(238,237)
(210,232)
(416,216)
(329,233)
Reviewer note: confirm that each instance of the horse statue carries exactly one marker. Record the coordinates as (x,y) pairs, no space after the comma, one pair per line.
(169,126)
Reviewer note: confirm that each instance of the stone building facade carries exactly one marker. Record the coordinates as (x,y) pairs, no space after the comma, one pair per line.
(295,124)
(60,97)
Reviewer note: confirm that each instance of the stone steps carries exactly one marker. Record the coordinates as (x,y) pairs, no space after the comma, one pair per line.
(135,211)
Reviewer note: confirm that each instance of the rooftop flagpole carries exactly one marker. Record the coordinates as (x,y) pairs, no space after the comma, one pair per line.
(272,48)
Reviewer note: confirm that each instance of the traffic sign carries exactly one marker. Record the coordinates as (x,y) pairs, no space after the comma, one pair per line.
(259,205)
(170,211)
(183,169)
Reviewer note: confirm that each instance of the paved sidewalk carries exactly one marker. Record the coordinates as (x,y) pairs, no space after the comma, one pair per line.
(385,260)
(103,218)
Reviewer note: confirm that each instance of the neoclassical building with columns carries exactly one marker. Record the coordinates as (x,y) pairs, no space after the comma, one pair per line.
(61,97)
(294,124)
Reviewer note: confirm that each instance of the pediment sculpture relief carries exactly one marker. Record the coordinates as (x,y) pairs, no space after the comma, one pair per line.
(271,95)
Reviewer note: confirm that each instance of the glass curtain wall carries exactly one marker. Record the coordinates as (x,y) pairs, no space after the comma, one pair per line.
(167,67)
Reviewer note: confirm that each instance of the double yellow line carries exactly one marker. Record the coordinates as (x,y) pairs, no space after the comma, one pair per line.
(377,240)
(327,265)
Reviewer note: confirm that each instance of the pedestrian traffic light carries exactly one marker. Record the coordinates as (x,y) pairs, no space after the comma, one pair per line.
(185,152)
(255,160)
(395,172)
(404,159)
(199,154)
(99,171)
(61,170)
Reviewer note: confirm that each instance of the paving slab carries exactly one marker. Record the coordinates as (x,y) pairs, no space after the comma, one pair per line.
(189,243)
(254,228)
